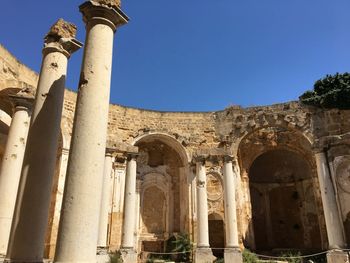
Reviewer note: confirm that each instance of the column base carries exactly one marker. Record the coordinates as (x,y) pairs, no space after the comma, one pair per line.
(102,255)
(233,255)
(129,255)
(337,256)
(204,255)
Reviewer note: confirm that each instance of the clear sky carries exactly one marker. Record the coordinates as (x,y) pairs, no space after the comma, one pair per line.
(190,55)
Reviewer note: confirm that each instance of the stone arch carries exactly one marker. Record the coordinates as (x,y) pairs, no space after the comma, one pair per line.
(168,139)
(280,151)
(307,136)
(162,165)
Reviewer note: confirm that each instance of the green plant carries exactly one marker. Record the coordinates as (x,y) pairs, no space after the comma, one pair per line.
(329,92)
(291,257)
(219,260)
(249,257)
(116,257)
(182,244)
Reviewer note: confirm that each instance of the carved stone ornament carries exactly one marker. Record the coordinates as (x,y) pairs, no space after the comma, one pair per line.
(214,187)
(343,174)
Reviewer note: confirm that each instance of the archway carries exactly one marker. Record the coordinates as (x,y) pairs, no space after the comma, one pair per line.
(162,168)
(278,172)
(283,203)
(216,235)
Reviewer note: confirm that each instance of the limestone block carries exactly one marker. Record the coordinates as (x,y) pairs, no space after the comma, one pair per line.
(337,256)
(232,255)
(129,256)
(111,3)
(204,255)
(62,29)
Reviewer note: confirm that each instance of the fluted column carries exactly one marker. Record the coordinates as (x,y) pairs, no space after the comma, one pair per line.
(203,252)
(78,230)
(103,223)
(128,231)
(11,167)
(33,199)
(232,251)
(333,222)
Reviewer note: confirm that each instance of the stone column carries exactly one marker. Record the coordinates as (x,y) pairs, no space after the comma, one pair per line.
(335,235)
(33,199)
(128,231)
(78,230)
(232,251)
(203,252)
(103,223)
(11,167)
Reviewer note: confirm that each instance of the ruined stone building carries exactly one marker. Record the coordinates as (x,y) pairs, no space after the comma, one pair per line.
(290,164)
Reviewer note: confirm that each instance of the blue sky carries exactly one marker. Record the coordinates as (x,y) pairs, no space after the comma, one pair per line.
(190,55)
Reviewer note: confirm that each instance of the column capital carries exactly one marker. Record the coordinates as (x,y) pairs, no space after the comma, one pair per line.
(200,159)
(110,151)
(61,38)
(23,99)
(131,156)
(106,12)
(229,158)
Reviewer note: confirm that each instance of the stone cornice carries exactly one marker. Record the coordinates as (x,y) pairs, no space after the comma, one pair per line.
(61,38)
(100,12)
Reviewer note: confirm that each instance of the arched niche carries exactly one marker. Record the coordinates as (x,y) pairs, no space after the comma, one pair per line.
(279,180)
(162,165)
(342,175)
(283,210)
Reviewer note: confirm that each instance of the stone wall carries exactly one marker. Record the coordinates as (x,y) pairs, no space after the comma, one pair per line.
(246,133)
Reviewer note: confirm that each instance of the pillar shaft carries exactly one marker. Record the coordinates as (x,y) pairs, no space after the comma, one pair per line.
(103,224)
(333,222)
(78,230)
(10,172)
(202,206)
(129,204)
(32,206)
(230,205)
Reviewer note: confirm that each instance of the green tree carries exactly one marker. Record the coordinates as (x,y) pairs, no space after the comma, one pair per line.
(329,92)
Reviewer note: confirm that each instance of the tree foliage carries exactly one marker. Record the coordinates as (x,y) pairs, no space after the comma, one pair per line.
(329,92)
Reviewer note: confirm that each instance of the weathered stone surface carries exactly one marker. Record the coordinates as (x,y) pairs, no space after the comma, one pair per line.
(245,133)
(110,3)
(337,257)
(62,29)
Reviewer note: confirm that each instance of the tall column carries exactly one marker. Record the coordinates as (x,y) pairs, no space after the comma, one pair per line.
(33,199)
(11,167)
(103,223)
(128,232)
(232,251)
(203,252)
(333,223)
(78,230)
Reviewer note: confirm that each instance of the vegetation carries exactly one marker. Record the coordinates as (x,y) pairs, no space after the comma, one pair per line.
(182,243)
(115,257)
(329,92)
(249,257)
(291,257)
